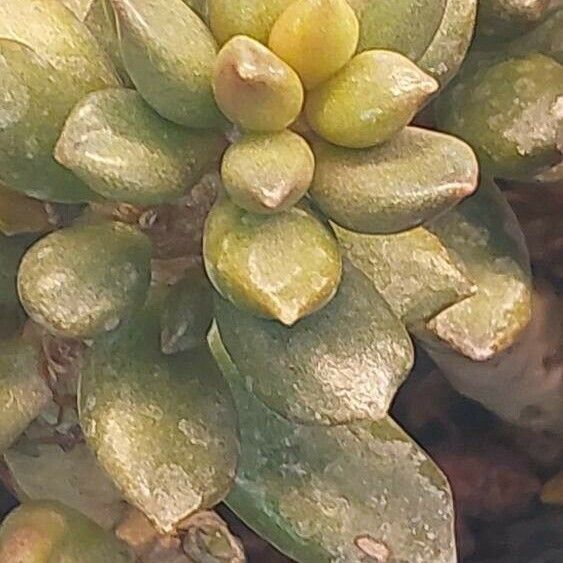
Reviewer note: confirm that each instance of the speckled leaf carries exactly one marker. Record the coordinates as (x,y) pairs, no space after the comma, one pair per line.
(71,477)
(483,234)
(124,151)
(268,173)
(510,17)
(374,96)
(46,531)
(254,88)
(254,18)
(284,266)
(23,393)
(545,38)
(444,55)
(84,280)
(414,177)
(412,270)
(163,427)
(341,364)
(405,26)
(169,54)
(511,113)
(48,61)
(20,214)
(355,493)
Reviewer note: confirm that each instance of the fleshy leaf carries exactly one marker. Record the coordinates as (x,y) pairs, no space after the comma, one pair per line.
(347,493)
(254,18)
(341,364)
(169,54)
(45,531)
(43,49)
(84,280)
(254,88)
(124,151)
(268,173)
(483,235)
(316,37)
(413,271)
(374,96)
(71,477)
(443,57)
(23,393)
(405,26)
(283,266)
(163,427)
(414,177)
(510,112)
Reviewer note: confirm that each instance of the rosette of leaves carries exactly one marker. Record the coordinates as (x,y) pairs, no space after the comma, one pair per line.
(340,231)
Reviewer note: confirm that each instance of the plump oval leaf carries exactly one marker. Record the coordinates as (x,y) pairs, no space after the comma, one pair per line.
(254,88)
(510,112)
(352,493)
(483,235)
(405,26)
(316,37)
(46,531)
(283,266)
(374,96)
(169,54)
(268,173)
(414,177)
(84,280)
(412,270)
(341,364)
(43,48)
(254,18)
(444,55)
(163,427)
(124,151)
(23,392)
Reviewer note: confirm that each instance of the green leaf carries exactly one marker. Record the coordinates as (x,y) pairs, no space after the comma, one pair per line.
(43,48)
(268,173)
(485,238)
(45,531)
(341,364)
(337,494)
(169,54)
(85,280)
(374,96)
(126,152)
(413,271)
(417,175)
(510,113)
(163,427)
(254,88)
(444,55)
(316,37)
(405,26)
(23,393)
(254,18)
(283,266)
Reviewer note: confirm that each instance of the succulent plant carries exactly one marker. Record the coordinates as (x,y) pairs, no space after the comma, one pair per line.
(221,238)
